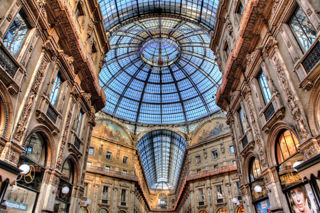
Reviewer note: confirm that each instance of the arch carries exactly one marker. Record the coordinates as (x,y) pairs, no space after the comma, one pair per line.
(222,210)
(49,140)
(6,112)
(246,165)
(271,141)
(209,133)
(103,210)
(101,130)
(76,167)
(313,110)
(151,129)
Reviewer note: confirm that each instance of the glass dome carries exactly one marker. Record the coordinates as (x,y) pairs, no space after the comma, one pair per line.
(160,71)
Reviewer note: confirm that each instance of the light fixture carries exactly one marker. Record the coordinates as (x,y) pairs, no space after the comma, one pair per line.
(65,190)
(24,168)
(235,201)
(258,188)
(88,202)
(295,164)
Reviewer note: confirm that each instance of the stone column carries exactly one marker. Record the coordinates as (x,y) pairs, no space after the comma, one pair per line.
(246,196)
(278,202)
(48,191)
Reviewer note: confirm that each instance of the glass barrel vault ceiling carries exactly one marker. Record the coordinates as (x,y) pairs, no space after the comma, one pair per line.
(117,12)
(160,71)
(161,153)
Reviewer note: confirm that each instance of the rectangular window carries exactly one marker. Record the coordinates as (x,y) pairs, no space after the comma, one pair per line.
(240,8)
(219,191)
(238,188)
(16,34)
(226,49)
(241,116)
(198,159)
(104,196)
(125,160)
(264,87)
(200,194)
(91,150)
(215,166)
(79,10)
(108,155)
(234,162)
(124,172)
(231,149)
(89,164)
(86,186)
(79,122)
(55,92)
(123,195)
(107,168)
(215,154)
(302,29)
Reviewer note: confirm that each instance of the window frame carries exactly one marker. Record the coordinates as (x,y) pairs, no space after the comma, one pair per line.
(303,48)
(215,154)
(56,90)
(24,17)
(262,79)
(109,154)
(91,148)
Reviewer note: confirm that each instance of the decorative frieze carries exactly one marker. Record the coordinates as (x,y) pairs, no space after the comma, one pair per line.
(30,101)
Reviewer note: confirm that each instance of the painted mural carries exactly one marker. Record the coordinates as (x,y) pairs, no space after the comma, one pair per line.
(112,131)
(210,130)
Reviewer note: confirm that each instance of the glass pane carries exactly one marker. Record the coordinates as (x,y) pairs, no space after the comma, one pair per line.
(35,149)
(264,88)
(302,29)
(16,34)
(55,90)
(283,147)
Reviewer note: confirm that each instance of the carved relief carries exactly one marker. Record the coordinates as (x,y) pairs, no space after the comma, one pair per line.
(26,112)
(63,142)
(291,99)
(255,126)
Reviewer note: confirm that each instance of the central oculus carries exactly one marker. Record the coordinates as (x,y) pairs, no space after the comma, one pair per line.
(160,52)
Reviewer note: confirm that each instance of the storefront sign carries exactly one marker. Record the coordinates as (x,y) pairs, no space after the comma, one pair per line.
(263,206)
(15,205)
(290,179)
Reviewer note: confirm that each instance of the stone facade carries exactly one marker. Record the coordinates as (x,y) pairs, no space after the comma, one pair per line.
(47,100)
(114,166)
(270,91)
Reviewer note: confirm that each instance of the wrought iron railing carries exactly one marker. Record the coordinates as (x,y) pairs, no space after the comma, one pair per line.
(244,141)
(52,114)
(268,113)
(7,63)
(312,58)
(77,142)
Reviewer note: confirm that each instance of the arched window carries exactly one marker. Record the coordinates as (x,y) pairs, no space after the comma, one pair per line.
(254,169)
(35,148)
(286,145)
(67,171)
(63,197)
(103,211)
(222,210)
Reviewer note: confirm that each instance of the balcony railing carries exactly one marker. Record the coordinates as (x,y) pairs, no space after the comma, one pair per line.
(123,203)
(104,201)
(244,141)
(201,203)
(112,173)
(312,58)
(77,142)
(52,114)
(7,63)
(269,112)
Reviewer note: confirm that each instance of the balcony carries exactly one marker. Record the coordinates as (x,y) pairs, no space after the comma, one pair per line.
(10,70)
(47,114)
(272,112)
(308,67)
(123,203)
(117,174)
